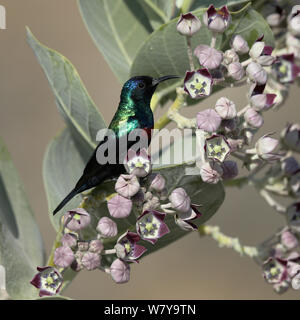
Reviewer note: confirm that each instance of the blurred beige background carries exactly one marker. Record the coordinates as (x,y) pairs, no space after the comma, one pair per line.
(188,269)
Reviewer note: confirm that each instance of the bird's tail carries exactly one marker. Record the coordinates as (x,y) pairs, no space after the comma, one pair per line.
(66,199)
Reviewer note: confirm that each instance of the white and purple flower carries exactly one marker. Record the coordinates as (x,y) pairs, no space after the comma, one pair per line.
(198,83)
(150,225)
(48,280)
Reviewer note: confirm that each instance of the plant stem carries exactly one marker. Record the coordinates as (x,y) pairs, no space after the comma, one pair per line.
(226,241)
(274,204)
(190,53)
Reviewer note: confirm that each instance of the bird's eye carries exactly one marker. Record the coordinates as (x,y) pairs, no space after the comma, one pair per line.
(141,85)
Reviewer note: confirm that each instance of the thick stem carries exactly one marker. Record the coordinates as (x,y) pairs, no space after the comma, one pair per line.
(190,53)
(226,241)
(273,203)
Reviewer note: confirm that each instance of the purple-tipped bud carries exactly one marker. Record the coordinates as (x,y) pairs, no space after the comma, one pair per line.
(158,182)
(77,219)
(127,185)
(63,257)
(119,207)
(230,169)
(289,240)
(239,44)
(120,271)
(261,53)
(211,172)
(209,58)
(291,137)
(91,261)
(253,118)
(230,56)
(257,73)
(96,246)
(208,120)
(185,224)
(236,70)
(274,19)
(290,166)
(69,240)
(180,200)
(235,144)
(107,228)
(225,108)
(217,20)
(265,147)
(262,102)
(188,24)
(198,83)
(294,21)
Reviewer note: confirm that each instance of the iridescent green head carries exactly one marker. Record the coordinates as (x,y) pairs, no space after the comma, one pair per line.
(142,87)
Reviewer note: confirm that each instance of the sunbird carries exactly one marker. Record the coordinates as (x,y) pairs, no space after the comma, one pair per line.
(134,109)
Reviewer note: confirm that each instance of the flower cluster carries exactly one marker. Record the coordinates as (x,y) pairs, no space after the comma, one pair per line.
(139,194)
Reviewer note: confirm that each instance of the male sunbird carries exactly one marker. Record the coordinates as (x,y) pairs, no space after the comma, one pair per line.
(134,109)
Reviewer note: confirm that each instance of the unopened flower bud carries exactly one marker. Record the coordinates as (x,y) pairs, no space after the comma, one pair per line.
(120,271)
(119,207)
(211,172)
(95,246)
(77,219)
(239,44)
(236,70)
(253,118)
(257,73)
(225,108)
(107,228)
(294,21)
(209,58)
(127,185)
(265,147)
(230,56)
(69,239)
(262,102)
(91,261)
(63,257)
(230,169)
(188,24)
(262,53)
(185,224)
(290,166)
(289,240)
(158,183)
(291,137)
(180,200)
(217,21)
(208,120)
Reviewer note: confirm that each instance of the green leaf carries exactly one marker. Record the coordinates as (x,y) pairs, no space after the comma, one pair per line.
(63,165)
(217,3)
(118,28)
(158,11)
(73,101)
(165,51)
(21,245)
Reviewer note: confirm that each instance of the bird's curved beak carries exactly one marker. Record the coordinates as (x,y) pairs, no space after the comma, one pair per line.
(156,81)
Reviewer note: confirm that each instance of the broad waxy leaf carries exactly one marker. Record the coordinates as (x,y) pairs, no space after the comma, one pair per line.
(165,51)
(21,244)
(118,28)
(74,103)
(62,167)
